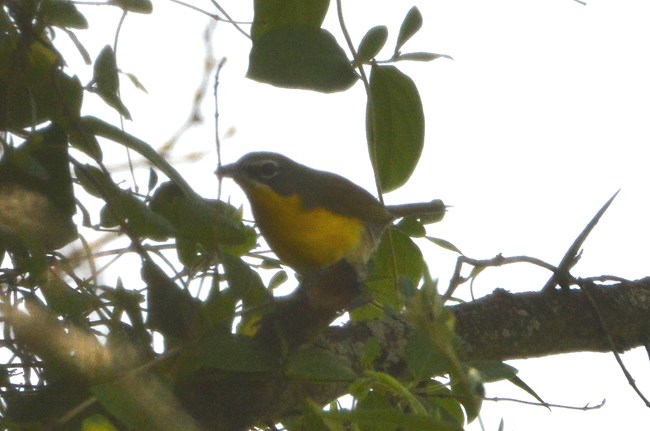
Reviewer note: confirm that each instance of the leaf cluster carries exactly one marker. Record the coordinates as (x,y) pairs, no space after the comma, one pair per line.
(80,354)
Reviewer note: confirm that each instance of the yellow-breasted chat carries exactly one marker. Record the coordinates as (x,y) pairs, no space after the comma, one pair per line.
(312,219)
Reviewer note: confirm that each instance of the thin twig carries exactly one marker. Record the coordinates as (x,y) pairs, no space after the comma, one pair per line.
(366,84)
(194,116)
(531,403)
(214,16)
(535,403)
(76,410)
(199,10)
(229,19)
(561,276)
(499,260)
(118,31)
(371,130)
(586,287)
(217,138)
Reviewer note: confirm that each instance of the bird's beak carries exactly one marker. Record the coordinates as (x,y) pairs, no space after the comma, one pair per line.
(229,171)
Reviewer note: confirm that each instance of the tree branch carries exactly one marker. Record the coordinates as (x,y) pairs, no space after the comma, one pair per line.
(504,325)
(500,326)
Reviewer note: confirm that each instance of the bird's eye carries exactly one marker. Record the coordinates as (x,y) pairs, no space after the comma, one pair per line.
(268,169)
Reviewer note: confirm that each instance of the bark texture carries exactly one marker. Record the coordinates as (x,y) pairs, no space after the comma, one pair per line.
(500,326)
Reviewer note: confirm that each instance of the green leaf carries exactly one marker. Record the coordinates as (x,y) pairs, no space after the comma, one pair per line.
(411,227)
(62,13)
(86,141)
(387,419)
(444,244)
(300,57)
(493,371)
(375,401)
(423,359)
(172,311)
(36,88)
(141,402)
(153,180)
(521,384)
(411,24)
(426,312)
(246,282)
(208,223)
(137,6)
(65,301)
(101,128)
(220,307)
(270,14)
(467,388)
(421,56)
(105,71)
(107,80)
(370,352)
(123,205)
(62,102)
(386,382)
(314,364)
(395,124)
(108,218)
(128,301)
(90,186)
(400,257)
(440,402)
(136,82)
(32,168)
(23,166)
(40,61)
(23,110)
(476,271)
(372,43)
(227,352)
(190,254)
(82,49)
(278,279)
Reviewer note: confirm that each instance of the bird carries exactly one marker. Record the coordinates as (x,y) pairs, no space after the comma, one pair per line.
(313,219)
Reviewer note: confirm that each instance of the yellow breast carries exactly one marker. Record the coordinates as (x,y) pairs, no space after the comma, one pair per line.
(307,239)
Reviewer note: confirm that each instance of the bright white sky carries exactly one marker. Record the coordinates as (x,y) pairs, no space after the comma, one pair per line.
(540,118)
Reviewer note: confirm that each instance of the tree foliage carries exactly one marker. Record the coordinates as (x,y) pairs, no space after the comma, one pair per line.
(80,354)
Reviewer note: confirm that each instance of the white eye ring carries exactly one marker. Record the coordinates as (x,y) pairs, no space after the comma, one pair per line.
(268,169)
